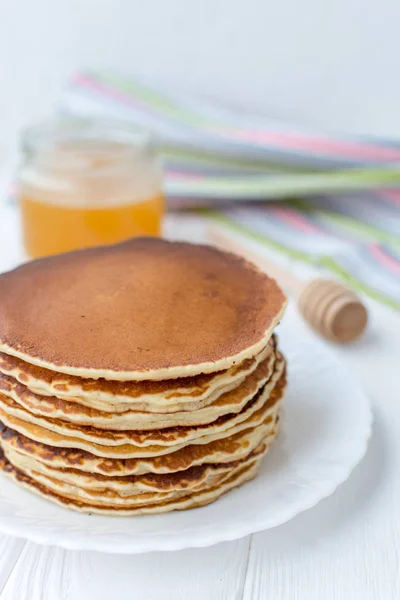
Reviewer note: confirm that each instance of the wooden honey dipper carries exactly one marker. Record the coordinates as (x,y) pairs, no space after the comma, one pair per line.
(330,308)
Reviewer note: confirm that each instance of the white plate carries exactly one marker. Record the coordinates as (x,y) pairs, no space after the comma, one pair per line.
(325,429)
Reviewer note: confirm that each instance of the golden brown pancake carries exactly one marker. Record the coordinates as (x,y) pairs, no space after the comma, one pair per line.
(144,309)
(146,443)
(169,396)
(196,499)
(194,478)
(72,412)
(234,447)
(141,489)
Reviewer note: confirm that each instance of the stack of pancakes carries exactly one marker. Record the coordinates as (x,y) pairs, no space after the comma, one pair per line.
(138,378)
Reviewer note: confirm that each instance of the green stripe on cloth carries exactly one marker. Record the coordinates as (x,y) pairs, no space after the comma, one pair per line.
(159,102)
(206,157)
(282,185)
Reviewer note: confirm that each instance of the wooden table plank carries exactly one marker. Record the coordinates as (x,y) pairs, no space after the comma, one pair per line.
(10,550)
(45,573)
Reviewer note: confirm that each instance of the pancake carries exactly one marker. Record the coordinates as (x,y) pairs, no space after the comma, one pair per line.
(259,410)
(234,447)
(110,499)
(55,408)
(138,490)
(190,479)
(132,443)
(196,499)
(146,309)
(171,395)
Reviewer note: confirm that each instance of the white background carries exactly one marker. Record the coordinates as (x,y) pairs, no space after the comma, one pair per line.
(329,63)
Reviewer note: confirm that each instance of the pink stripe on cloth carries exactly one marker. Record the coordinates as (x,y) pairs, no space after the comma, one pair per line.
(111,92)
(392,195)
(318,145)
(381,256)
(293,219)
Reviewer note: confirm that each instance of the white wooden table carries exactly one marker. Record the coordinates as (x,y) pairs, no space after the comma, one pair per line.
(346,548)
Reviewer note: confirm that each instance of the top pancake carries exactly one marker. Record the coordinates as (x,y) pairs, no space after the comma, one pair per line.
(146,309)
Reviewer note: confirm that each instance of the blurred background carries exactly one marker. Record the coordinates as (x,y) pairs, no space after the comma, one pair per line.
(329,64)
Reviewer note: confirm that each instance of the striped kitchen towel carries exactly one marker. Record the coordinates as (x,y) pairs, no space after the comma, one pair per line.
(217,158)
(212,153)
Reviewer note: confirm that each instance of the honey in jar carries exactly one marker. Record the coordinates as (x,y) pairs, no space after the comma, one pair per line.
(87,183)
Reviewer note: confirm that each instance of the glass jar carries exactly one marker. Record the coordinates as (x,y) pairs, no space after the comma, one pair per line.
(87,183)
